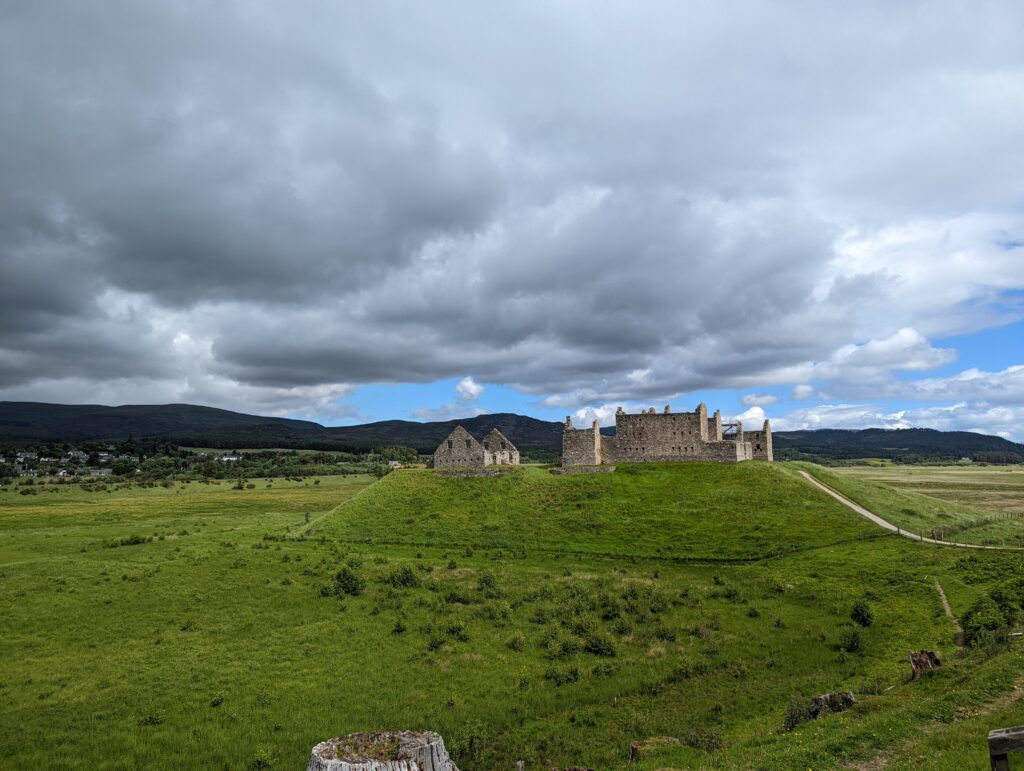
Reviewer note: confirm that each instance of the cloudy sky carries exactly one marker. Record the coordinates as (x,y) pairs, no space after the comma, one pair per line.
(356,211)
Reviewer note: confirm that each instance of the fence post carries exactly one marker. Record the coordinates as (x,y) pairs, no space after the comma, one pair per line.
(1001,742)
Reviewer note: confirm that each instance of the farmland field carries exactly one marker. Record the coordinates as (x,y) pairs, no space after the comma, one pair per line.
(981,505)
(550,619)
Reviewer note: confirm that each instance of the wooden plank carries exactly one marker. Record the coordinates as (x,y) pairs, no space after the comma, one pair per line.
(1003,741)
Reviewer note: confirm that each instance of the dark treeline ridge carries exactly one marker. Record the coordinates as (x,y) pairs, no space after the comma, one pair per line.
(22,423)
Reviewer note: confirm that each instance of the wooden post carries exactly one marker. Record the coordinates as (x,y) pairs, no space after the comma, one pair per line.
(1003,741)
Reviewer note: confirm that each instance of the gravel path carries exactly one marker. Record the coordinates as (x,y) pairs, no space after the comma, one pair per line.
(889,526)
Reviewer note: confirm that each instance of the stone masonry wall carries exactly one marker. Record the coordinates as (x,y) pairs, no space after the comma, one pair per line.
(581,446)
(459,449)
(761,443)
(499,451)
(652,436)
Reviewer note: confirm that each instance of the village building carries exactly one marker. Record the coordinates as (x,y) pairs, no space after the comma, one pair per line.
(650,436)
(461,449)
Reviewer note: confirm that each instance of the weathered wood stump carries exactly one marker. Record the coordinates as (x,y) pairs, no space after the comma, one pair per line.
(839,701)
(384,751)
(922,661)
(637,750)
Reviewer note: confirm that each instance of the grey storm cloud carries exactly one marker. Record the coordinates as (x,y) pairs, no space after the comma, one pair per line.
(269,203)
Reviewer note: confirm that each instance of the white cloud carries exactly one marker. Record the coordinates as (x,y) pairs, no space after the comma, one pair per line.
(759,400)
(978,417)
(755,415)
(400,213)
(802,392)
(468,390)
(447,412)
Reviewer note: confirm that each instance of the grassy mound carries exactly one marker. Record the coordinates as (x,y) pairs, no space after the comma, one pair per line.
(705,511)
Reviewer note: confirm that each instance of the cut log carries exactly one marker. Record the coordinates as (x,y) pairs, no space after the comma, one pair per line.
(922,661)
(839,701)
(384,751)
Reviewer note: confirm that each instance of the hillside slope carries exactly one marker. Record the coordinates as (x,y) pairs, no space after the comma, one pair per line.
(672,510)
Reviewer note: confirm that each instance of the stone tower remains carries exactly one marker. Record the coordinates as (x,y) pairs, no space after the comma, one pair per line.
(650,436)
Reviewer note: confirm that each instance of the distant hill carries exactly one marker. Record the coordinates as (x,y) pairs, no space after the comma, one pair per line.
(903,443)
(194,426)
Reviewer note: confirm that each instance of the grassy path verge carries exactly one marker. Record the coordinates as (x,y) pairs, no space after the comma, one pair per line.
(889,526)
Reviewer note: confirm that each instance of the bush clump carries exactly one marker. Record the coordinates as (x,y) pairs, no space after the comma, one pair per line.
(402,578)
(862,615)
(851,641)
(347,581)
(982,620)
(798,711)
(562,675)
(516,642)
(599,644)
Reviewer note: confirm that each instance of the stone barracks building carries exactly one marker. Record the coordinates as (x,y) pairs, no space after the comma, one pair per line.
(650,436)
(462,450)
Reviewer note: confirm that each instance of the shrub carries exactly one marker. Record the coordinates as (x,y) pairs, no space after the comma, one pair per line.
(488,584)
(798,711)
(664,634)
(347,581)
(398,628)
(516,642)
(458,631)
(562,675)
(599,644)
(402,578)
(436,641)
(862,615)
(708,740)
(851,641)
(983,617)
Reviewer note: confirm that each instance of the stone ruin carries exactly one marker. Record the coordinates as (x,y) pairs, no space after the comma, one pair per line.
(460,449)
(651,436)
(383,751)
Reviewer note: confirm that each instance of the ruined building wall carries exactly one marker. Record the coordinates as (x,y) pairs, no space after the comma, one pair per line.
(715,427)
(459,449)
(650,436)
(499,451)
(581,446)
(761,443)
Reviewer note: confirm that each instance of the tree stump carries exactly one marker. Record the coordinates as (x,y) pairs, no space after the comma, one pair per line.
(831,702)
(922,661)
(385,751)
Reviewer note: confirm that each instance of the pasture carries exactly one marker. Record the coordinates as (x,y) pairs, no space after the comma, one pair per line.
(981,504)
(550,619)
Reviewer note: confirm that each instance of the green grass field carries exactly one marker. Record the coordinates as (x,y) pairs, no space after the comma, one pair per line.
(552,619)
(982,505)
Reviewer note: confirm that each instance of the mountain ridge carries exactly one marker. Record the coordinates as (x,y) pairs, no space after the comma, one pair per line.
(201,426)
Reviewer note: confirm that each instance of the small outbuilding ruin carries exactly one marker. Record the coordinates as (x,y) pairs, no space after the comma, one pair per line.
(461,449)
